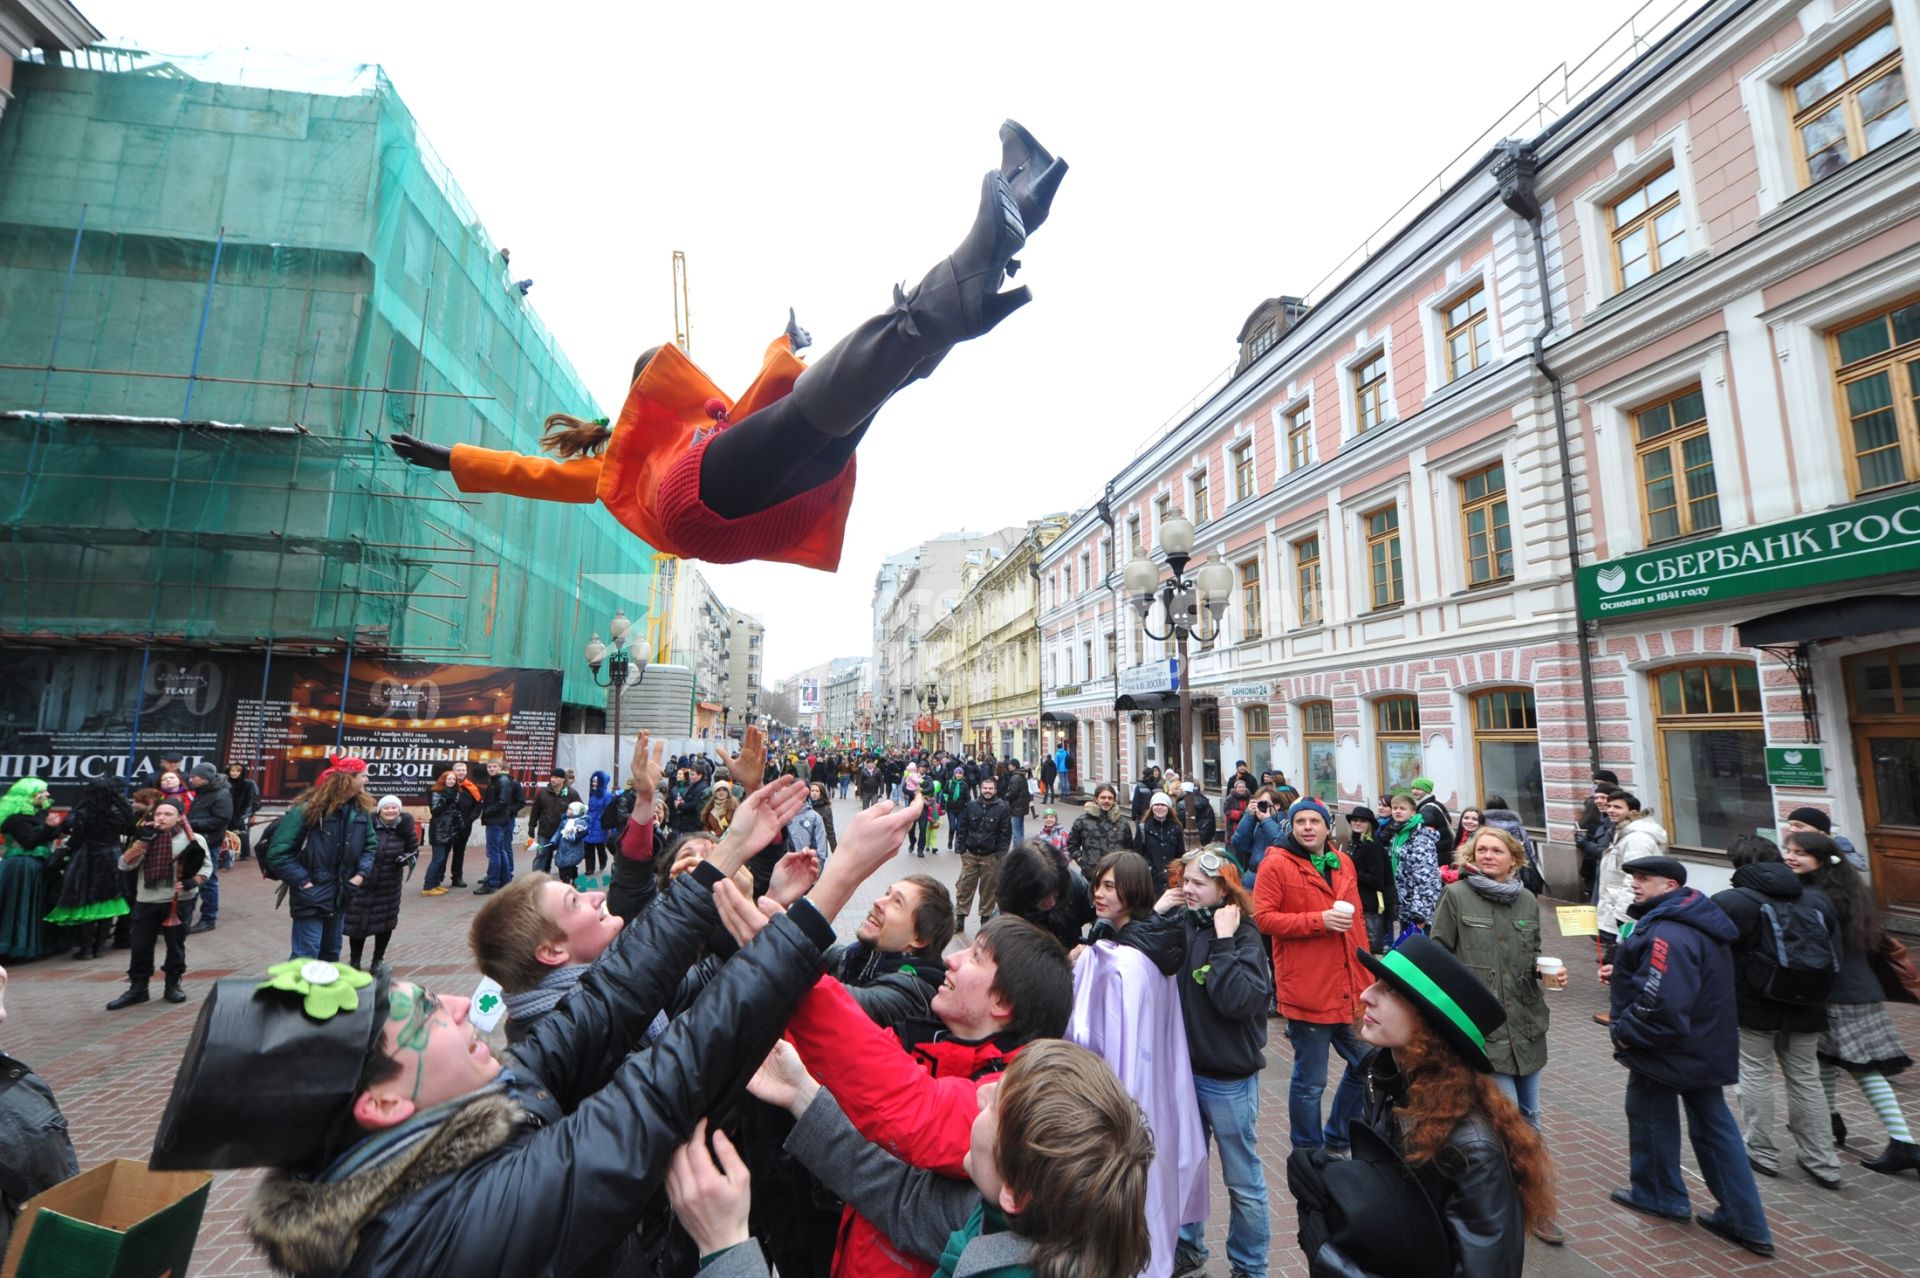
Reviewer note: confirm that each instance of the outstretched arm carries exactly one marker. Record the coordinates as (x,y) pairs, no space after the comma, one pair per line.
(487,470)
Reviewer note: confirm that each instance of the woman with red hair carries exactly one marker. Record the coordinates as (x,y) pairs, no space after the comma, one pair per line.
(770,475)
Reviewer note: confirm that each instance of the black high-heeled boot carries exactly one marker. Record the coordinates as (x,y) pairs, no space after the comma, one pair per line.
(1901,1156)
(1031,171)
(958,300)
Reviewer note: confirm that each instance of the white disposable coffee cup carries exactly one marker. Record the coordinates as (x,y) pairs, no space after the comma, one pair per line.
(1549,965)
(1343,907)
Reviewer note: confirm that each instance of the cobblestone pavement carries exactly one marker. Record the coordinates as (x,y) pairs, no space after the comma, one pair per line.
(111,1072)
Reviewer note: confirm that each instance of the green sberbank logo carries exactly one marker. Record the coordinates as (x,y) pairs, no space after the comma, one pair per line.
(1860,539)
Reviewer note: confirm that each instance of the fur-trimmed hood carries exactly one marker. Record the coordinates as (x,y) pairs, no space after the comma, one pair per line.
(310,1227)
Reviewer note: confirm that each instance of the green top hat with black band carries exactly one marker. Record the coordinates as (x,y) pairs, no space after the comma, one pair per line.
(1446,993)
(269,1076)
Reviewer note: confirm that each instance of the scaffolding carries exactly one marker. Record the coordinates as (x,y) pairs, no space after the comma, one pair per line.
(219,300)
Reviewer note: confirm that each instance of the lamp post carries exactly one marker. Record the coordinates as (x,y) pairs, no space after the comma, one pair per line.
(1192,607)
(619,663)
(931,700)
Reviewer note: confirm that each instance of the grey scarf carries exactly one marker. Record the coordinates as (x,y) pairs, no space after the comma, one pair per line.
(530,1005)
(1499,893)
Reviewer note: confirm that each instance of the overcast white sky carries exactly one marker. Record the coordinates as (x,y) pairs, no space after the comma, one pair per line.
(812,155)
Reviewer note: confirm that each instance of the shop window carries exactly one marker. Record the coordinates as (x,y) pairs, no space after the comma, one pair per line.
(1316,730)
(1712,748)
(1678,492)
(1396,730)
(1243,470)
(1256,738)
(1878,373)
(1648,228)
(1506,743)
(1882,684)
(1250,599)
(1306,565)
(1384,579)
(1483,524)
(1300,437)
(1370,392)
(1854,101)
(1469,334)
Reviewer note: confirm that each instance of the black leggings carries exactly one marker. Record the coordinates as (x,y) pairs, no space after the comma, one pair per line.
(768,457)
(355,944)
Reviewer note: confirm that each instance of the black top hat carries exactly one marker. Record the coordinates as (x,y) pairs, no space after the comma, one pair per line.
(1453,1000)
(265,1084)
(1375,1211)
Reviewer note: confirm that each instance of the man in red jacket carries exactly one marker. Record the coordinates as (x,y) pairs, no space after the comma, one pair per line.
(912,1091)
(1297,900)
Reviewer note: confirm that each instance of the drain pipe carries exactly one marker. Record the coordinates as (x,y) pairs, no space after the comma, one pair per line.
(1515,171)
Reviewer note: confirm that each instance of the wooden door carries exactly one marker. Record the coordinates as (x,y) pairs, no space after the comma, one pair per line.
(1883,698)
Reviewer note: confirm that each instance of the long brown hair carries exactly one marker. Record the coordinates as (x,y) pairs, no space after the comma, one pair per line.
(328,795)
(1441,1090)
(1074,1150)
(568,436)
(1132,879)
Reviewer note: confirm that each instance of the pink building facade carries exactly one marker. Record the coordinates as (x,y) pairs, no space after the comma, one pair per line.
(1608,459)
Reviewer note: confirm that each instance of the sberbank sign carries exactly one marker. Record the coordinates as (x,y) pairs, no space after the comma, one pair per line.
(1862,539)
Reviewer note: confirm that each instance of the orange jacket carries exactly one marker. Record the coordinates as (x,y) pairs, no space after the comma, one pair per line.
(656,428)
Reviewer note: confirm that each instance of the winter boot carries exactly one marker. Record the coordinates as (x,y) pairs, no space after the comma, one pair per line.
(174,993)
(958,300)
(1901,1156)
(133,994)
(1031,172)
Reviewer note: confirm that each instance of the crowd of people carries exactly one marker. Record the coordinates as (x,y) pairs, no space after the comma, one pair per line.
(701,1077)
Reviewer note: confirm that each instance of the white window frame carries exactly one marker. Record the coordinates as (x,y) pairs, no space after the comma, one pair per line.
(1399,494)
(1451,528)
(1242,439)
(1282,453)
(1612,408)
(1433,328)
(1285,540)
(1590,207)
(1202,471)
(1764,89)
(1365,348)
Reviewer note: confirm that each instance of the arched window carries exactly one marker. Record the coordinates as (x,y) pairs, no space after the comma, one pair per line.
(1712,753)
(1506,751)
(1396,730)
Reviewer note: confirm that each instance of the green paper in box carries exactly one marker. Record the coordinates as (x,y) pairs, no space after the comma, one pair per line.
(119,1220)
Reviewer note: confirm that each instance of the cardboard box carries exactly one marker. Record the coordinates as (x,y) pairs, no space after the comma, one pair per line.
(118,1220)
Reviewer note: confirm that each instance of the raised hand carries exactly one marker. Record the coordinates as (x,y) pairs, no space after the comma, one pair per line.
(711,1193)
(761,818)
(1226,920)
(782,1080)
(741,917)
(872,839)
(793,876)
(647,770)
(750,764)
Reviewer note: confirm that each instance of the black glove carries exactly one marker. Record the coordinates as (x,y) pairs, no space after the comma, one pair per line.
(418,452)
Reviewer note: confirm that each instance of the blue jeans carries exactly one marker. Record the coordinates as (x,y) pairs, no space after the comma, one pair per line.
(1653,1153)
(318,938)
(1310,1043)
(499,855)
(1523,1090)
(207,900)
(1228,1108)
(1020,829)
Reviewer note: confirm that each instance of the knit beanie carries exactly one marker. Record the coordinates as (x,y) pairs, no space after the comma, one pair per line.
(1813,817)
(1309,804)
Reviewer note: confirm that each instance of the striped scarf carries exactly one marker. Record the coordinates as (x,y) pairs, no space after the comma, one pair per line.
(156,868)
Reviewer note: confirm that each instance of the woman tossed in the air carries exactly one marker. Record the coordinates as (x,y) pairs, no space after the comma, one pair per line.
(770,475)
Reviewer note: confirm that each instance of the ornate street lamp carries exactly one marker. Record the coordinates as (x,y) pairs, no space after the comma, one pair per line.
(1191,607)
(619,663)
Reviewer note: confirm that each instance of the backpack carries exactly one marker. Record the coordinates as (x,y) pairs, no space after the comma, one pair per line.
(263,841)
(1797,958)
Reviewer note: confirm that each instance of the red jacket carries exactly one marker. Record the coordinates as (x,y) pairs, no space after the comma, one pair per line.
(1317,974)
(915,1100)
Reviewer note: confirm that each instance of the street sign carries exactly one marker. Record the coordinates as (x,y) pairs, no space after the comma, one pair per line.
(1154,676)
(1797,766)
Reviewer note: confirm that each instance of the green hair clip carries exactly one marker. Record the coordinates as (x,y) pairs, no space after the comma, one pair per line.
(598,421)
(327,988)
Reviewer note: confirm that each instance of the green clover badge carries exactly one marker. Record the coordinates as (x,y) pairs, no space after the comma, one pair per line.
(327,988)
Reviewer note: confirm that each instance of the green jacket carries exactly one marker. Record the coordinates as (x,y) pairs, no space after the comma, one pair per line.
(1500,943)
(1000,1254)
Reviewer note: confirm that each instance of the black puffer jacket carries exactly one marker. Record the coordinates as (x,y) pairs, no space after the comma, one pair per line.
(986,827)
(325,855)
(212,813)
(375,908)
(1779,886)
(1225,992)
(1162,843)
(892,988)
(553,1177)
(1468,1181)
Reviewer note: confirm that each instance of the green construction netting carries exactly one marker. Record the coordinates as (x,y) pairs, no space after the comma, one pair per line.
(356,293)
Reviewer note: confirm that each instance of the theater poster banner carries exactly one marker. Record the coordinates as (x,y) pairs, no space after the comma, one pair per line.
(67,715)
(409,720)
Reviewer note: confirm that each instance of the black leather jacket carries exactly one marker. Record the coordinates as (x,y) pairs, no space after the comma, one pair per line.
(1468,1181)
(595,1121)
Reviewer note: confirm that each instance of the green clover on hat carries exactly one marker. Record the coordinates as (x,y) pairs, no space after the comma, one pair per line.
(327,988)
